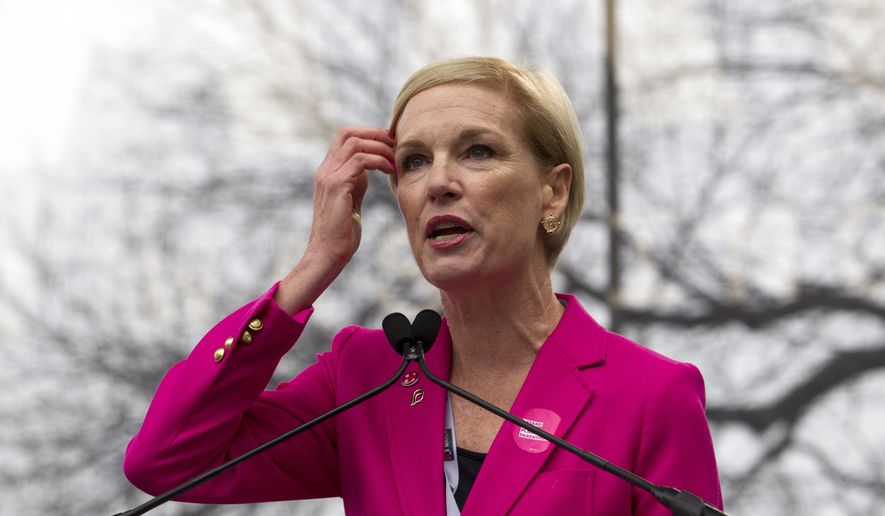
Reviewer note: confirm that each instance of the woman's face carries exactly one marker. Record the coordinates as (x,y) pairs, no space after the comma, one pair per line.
(470,191)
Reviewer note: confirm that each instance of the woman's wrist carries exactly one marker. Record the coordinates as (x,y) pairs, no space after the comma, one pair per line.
(305,283)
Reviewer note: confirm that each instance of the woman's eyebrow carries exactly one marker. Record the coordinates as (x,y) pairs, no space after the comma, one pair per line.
(408,144)
(468,133)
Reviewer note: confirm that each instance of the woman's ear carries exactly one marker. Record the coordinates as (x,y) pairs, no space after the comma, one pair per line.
(558,182)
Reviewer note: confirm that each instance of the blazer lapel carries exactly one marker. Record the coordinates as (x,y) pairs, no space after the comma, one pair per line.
(553,390)
(415,426)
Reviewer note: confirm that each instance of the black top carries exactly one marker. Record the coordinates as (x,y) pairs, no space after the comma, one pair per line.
(469,463)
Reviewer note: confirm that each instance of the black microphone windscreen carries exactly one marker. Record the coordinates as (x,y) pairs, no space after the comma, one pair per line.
(426,327)
(398,331)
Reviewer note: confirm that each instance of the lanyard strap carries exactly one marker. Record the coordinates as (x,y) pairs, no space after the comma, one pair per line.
(450,461)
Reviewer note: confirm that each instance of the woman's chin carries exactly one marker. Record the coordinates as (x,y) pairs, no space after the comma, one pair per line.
(451,278)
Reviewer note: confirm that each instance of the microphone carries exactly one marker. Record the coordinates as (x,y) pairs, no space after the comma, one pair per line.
(426,327)
(398,331)
(681,503)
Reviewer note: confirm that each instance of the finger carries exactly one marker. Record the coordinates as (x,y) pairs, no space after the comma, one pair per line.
(356,165)
(354,145)
(339,155)
(352,174)
(361,162)
(368,133)
(361,184)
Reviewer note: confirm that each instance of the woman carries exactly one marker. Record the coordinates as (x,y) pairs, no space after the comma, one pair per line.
(485,160)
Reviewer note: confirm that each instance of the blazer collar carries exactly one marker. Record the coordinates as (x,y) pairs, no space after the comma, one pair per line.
(578,335)
(554,389)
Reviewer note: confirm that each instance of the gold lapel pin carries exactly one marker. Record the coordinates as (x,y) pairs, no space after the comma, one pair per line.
(417,396)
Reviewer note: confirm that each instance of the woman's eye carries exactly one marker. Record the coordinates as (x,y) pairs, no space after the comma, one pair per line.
(480,152)
(413,161)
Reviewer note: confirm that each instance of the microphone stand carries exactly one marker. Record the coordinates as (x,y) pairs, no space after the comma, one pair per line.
(680,503)
(172,493)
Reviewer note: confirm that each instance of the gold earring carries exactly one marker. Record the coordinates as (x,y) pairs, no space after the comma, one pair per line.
(550,223)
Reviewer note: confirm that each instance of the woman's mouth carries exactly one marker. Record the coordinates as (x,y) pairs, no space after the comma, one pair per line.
(447,230)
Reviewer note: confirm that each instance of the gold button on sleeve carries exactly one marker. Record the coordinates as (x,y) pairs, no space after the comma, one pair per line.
(228,343)
(219,354)
(256,325)
(246,338)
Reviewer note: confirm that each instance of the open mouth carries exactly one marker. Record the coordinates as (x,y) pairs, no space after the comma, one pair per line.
(447,228)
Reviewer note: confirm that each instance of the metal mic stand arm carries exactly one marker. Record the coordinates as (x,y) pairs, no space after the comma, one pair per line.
(172,493)
(680,503)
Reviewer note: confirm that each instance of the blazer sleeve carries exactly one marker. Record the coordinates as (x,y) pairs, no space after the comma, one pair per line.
(676,448)
(212,407)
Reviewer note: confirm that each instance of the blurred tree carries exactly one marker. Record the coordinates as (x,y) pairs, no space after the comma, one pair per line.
(750,220)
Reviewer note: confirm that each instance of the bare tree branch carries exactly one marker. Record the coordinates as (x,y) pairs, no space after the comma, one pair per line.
(845,366)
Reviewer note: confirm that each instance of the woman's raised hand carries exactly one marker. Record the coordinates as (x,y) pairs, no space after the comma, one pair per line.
(339,188)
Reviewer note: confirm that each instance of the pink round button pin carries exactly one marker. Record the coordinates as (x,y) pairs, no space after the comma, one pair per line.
(542,418)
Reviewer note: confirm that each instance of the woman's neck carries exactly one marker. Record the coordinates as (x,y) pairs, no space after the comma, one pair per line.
(498,332)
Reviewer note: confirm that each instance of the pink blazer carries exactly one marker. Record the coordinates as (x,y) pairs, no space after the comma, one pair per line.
(631,406)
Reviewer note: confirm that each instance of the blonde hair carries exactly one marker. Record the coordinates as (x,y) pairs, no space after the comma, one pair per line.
(546,118)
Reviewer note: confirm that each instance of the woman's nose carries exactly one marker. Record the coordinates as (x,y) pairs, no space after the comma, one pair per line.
(443,181)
